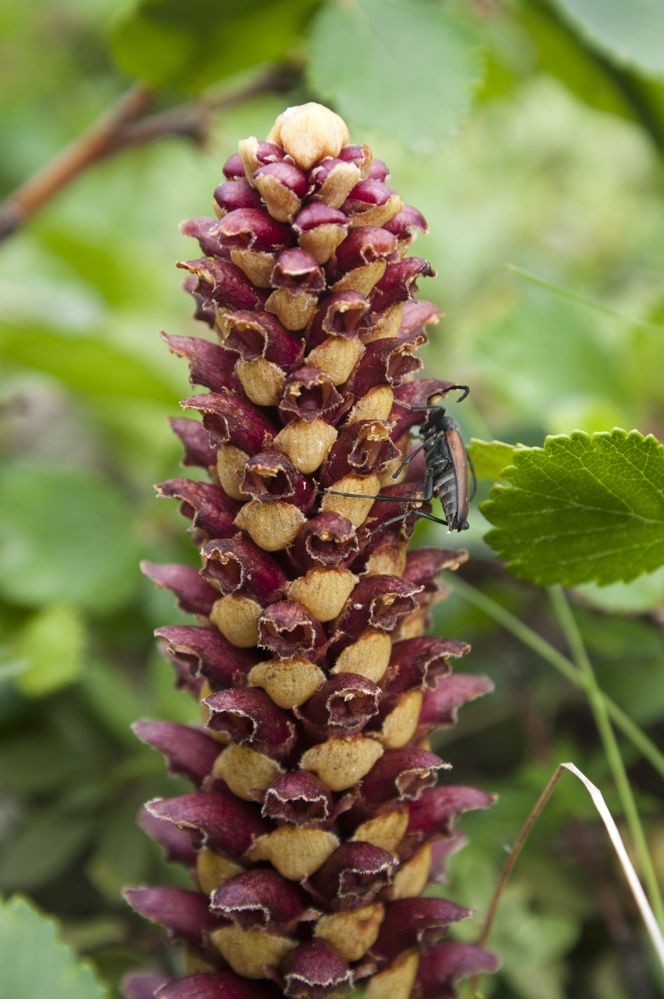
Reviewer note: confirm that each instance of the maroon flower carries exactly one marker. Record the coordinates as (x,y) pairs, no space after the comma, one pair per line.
(314,822)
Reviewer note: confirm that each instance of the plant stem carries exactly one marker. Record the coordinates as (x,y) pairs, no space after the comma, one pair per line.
(574,639)
(95,143)
(565,666)
(517,847)
(120,128)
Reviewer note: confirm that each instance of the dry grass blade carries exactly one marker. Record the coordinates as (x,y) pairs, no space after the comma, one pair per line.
(650,923)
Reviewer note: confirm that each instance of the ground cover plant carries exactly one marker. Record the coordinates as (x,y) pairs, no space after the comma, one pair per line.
(530,136)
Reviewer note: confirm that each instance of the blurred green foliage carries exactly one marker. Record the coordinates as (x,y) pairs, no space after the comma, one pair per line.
(555,167)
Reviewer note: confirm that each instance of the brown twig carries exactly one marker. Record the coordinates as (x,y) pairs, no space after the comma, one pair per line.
(95,143)
(518,846)
(119,129)
(192,120)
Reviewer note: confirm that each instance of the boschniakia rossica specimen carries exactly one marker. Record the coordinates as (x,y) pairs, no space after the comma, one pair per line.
(315,819)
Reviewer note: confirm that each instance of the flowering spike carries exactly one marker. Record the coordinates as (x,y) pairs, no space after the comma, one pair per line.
(315,970)
(299,798)
(142,986)
(415,922)
(175,842)
(193,593)
(234,194)
(207,653)
(184,913)
(355,874)
(188,751)
(313,826)
(260,897)
(442,966)
(197,450)
(319,229)
(216,819)
(216,985)
(441,705)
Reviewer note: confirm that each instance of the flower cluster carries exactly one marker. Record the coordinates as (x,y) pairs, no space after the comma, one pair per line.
(315,820)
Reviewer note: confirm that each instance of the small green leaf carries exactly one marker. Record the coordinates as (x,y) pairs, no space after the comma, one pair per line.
(412,66)
(490,457)
(43,847)
(168,43)
(585,508)
(35,961)
(51,644)
(630,33)
(65,535)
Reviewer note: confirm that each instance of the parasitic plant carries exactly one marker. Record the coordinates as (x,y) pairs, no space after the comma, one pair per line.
(315,820)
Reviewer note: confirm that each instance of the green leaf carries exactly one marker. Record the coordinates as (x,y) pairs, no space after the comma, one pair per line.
(569,355)
(43,847)
(630,33)
(39,762)
(51,644)
(35,961)
(586,302)
(640,596)
(585,508)
(168,43)
(561,53)
(412,67)
(114,698)
(65,535)
(85,364)
(490,457)
(122,855)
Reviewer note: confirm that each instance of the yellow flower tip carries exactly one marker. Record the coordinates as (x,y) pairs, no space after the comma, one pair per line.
(309,132)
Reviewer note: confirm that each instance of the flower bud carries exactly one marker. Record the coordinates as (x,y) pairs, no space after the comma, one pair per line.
(319,229)
(309,132)
(235,194)
(282,186)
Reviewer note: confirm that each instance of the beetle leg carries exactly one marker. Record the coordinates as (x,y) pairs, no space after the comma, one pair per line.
(426,498)
(428,486)
(416,513)
(414,409)
(430,516)
(409,457)
(385,499)
(393,520)
(472,469)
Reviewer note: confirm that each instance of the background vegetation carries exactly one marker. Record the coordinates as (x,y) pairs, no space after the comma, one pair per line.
(531,134)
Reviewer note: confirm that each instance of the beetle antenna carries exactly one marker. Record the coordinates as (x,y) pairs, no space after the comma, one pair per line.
(464,389)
